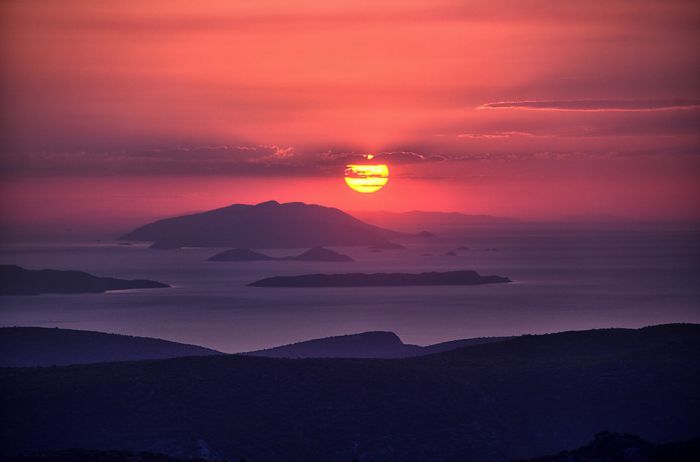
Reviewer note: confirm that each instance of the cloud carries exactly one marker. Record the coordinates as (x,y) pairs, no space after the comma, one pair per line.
(496,135)
(254,160)
(596,105)
(389,157)
(406,157)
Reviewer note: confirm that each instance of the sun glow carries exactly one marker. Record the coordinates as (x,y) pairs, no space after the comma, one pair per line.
(366,178)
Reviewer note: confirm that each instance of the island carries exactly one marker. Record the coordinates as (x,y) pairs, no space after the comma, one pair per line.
(317,253)
(447,278)
(15,280)
(265,225)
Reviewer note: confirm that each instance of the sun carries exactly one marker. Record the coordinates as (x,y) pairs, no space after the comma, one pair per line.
(366,178)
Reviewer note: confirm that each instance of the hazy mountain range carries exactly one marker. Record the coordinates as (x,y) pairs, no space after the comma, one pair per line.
(418,220)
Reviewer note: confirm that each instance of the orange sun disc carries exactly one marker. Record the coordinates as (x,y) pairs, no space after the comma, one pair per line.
(366,178)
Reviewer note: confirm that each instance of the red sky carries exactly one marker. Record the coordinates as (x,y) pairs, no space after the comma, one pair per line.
(528,108)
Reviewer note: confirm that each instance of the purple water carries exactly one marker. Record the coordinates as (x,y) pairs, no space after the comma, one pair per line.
(563,280)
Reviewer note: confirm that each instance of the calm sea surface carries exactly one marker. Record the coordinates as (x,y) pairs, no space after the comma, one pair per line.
(563,280)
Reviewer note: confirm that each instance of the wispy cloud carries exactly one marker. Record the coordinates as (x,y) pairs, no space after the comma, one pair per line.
(496,135)
(390,157)
(596,105)
(255,160)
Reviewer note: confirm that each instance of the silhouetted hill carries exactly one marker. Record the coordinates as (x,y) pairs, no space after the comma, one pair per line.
(364,345)
(266,225)
(447,278)
(39,346)
(518,398)
(15,280)
(314,254)
(616,447)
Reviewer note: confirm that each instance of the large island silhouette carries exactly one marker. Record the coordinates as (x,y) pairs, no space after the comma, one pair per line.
(15,280)
(265,225)
(445,278)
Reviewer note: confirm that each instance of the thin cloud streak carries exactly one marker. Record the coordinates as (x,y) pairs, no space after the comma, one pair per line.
(596,106)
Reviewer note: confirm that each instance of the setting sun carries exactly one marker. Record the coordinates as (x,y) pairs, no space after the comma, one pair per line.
(366,178)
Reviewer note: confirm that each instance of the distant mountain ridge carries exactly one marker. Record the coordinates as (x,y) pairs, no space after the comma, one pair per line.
(418,220)
(265,225)
(42,346)
(15,280)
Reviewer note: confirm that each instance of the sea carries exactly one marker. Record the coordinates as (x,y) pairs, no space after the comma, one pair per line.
(563,279)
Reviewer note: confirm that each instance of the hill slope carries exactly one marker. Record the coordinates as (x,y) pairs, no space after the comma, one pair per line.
(518,398)
(39,346)
(265,225)
(364,345)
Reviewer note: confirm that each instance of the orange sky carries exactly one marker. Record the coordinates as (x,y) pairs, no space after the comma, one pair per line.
(529,108)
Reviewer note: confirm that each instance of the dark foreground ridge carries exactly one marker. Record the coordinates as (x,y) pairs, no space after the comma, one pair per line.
(616,447)
(41,346)
(607,447)
(91,455)
(515,399)
(447,278)
(265,225)
(317,253)
(15,280)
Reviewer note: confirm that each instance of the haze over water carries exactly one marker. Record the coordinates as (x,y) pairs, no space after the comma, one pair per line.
(563,280)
